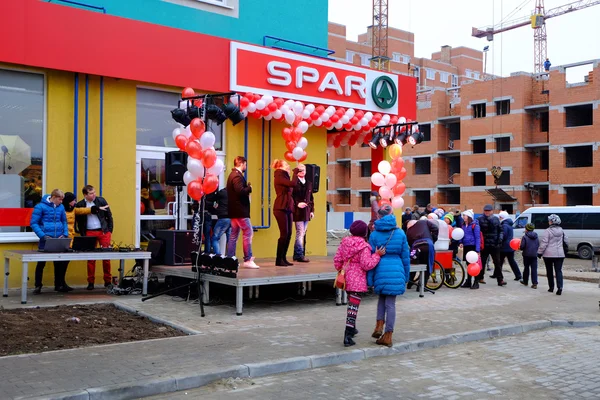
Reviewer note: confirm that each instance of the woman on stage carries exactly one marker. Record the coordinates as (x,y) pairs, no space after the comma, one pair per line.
(283,209)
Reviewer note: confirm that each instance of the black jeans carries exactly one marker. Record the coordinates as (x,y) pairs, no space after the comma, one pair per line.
(557,263)
(494,252)
(60,270)
(285,223)
(510,255)
(530,263)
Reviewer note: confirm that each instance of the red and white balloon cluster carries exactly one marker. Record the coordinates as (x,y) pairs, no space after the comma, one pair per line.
(389,178)
(203,166)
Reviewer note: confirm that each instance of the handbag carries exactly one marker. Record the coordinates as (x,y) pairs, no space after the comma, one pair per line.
(565,245)
(340,279)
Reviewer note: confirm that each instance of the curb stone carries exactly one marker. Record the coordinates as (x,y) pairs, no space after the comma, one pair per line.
(154,319)
(175,383)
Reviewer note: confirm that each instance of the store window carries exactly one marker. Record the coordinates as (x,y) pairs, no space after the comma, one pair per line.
(154,123)
(22,117)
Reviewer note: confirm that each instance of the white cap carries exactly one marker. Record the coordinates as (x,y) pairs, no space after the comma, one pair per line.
(503,215)
(469,213)
(432,216)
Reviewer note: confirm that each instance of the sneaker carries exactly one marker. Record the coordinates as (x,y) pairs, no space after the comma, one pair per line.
(250,264)
(502,283)
(534,286)
(523,282)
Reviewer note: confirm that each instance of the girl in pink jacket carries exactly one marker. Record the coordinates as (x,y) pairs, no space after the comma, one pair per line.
(354,256)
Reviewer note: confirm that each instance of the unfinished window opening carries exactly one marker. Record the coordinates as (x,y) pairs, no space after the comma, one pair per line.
(544,160)
(579,156)
(426,131)
(365,169)
(453,165)
(422,197)
(502,144)
(579,196)
(479,110)
(544,122)
(344,197)
(479,146)
(479,178)
(422,165)
(454,131)
(503,107)
(504,178)
(365,199)
(509,208)
(579,115)
(453,196)
(543,195)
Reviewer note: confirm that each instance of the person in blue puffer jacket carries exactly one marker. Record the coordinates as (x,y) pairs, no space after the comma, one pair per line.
(49,220)
(507,252)
(390,276)
(471,241)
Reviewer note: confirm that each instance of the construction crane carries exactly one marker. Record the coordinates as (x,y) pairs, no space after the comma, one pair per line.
(379,36)
(538,22)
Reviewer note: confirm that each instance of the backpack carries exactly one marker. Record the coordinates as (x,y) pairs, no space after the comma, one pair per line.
(480,237)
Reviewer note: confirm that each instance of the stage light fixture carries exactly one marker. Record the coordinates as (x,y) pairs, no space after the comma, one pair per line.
(233,113)
(416,138)
(375,140)
(401,139)
(181,116)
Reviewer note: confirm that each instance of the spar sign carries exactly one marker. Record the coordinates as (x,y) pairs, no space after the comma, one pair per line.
(298,77)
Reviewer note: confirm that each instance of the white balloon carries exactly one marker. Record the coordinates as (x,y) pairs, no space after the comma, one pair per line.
(302,143)
(234,100)
(368,115)
(187,132)
(357,127)
(384,167)
(277,114)
(207,140)
(317,122)
(217,168)
(397,202)
(251,107)
(188,177)
(377,179)
(385,192)
(386,119)
(390,180)
(244,113)
(290,117)
(472,257)
(268,117)
(195,167)
(303,126)
(289,103)
(260,104)
(267,98)
(401,120)
(338,125)
(344,119)
(458,234)
(284,109)
(176,132)
(330,110)
(185,104)
(297,153)
(310,107)
(324,117)
(305,114)
(298,108)
(350,112)
(363,121)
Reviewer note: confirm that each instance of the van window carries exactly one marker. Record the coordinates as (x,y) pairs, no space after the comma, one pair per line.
(567,220)
(521,222)
(540,220)
(591,221)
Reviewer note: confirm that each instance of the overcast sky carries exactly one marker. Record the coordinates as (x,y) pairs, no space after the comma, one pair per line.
(573,37)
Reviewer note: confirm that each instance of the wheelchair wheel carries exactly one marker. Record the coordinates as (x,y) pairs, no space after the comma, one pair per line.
(455,276)
(436,278)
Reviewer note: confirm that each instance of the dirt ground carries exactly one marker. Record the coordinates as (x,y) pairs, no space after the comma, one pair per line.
(35,330)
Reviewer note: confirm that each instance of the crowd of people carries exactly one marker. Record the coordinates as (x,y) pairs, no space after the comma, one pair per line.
(379,254)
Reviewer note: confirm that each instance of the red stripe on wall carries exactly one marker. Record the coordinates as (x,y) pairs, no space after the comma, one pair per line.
(48,35)
(15,216)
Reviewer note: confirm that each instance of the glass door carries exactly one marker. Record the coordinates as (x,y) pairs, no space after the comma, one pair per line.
(157,203)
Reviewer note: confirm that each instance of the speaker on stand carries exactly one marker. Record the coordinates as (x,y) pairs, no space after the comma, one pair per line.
(313,175)
(175,168)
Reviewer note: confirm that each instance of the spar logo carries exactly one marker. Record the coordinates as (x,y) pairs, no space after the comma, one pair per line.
(384,92)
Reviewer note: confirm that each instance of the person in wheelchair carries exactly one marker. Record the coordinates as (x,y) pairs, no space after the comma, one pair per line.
(421,236)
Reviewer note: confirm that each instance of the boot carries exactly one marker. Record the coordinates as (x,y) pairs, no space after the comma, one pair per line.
(475,285)
(386,339)
(279,260)
(348,334)
(284,254)
(467,284)
(378,329)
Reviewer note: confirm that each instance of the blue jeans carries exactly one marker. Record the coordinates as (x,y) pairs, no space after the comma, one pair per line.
(223,226)
(245,226)
(301,227)
(386,311)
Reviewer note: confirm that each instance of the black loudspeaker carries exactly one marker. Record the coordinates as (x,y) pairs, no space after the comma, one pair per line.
(313,175)
(175,167)
(178,246)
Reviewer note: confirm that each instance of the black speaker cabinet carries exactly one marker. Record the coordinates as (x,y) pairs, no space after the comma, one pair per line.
(175,167)
(178,246)
(313,174)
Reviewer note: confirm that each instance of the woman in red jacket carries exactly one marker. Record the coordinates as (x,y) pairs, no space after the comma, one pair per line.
(283,209)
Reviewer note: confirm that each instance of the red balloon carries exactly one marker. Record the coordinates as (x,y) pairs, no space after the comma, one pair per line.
(352,140)
(366,140)
(187,92)
(377,116)
(397,164)
(315,116)
(279,101)
(142,208)
(320,109)
(265,111)
(197,103)
(399,189)
(244,102)
(373,123)
(257,114)
(289,156)
(195,190)
(384,201)
(394,120)
(272,107)
(359,114)
(194,149)
(348,126)
(473,269)
(354,120)
(291,145)
(210,183)
(334,118)
(197,127)
(181,142)
(297,134)
(515,244)
(209,157)
(401,174)
(287,134)
(304,155)
(450,229)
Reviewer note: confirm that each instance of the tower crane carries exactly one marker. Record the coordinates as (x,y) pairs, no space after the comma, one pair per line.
(379,40)
(538,22)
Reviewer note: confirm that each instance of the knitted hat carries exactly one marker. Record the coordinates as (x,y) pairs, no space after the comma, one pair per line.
(385,209)
(469,213)
(450,216)
(359,228)
(69,197)
(530,227)
(555,219)
(503,215)
(439,212)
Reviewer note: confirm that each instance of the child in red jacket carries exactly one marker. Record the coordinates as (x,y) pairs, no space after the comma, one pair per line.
(355,257)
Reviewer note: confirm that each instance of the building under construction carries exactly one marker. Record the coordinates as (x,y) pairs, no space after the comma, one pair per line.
(523,140)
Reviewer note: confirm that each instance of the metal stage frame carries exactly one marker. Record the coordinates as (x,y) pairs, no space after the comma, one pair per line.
(319,269)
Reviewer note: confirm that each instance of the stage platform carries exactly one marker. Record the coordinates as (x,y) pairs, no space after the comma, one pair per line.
(318,269)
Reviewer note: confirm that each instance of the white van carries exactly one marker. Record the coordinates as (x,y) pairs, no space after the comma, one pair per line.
(580,223)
